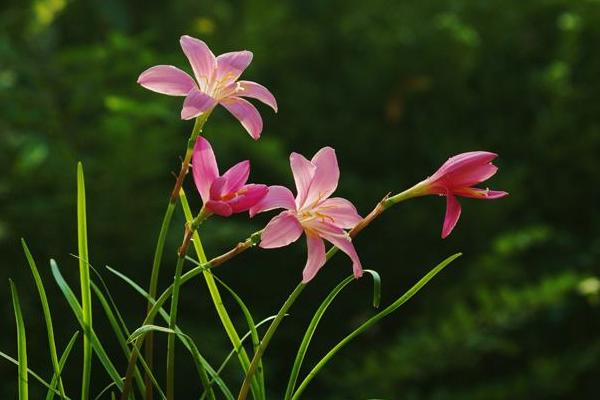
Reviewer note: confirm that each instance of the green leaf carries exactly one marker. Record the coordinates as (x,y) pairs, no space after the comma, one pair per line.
(21,344)
(47,314)
(372,321)
(312,327)
(78,312)
(84,277)
(61,364)
(30,372)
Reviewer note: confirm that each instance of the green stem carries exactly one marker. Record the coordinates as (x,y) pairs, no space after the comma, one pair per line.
(162,236)
(172,323)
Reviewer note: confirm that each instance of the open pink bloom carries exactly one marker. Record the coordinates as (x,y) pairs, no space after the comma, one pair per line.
(216,83)
(227,194)
(456,178)
(312,211)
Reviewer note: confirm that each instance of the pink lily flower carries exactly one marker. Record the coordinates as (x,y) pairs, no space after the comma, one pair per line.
(223,194)
(312,212)
(456,178)
(216,83)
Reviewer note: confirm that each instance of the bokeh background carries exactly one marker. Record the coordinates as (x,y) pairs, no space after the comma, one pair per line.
(396,87)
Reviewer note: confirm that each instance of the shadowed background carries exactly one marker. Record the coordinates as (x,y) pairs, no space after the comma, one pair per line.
(395,87)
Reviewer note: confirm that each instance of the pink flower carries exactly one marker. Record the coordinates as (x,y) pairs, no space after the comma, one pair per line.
(312,211)
(216,83)
(227,194)
(456,178)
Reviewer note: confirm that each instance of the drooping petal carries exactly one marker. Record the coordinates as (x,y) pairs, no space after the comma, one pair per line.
(201,59)
(464,161)
(219,207)
(452,214)
(166,79)
(247,197)
(231,65)
(341,211)
(316,256)
(195,103)
(256,91)
(236,177)
(477,193)
(277,197)
(326,176)
(340,239)
(204,167)
(281,231)
(303,171)
(246,113)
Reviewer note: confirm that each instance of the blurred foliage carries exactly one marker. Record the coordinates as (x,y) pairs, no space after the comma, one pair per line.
(395,87)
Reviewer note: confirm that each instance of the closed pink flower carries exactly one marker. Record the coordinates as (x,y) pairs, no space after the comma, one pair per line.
(456,177)
(312,212)
(216,83)
(223,194)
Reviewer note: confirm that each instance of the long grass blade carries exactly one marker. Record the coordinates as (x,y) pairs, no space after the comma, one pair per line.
(312,327)
(61,364)
(84,278)
(47,315)
(29,371)
(78,312)
(21,344)
(372,321)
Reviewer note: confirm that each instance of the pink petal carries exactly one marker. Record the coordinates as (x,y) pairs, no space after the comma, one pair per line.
(236,177)
(341,211)
(204,167)
(316,256)
(167,79)
(246,113)
(219,207)
(326,176)
(452,214)
(195,104)
(216,189)
(470,176)
(464,161)
(277,197)
(281,231)
(477,193)
(340,239)
(303,171)
(201,59)
(231,65)
(256,91)
(247,197)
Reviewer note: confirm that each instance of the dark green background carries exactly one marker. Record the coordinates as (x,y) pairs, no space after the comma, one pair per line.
(396,87)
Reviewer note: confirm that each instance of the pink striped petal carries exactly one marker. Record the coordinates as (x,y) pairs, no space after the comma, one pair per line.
(341,211)
(231,65)
(477,193)
(246,113)
(452,214)
(277,197)
(281,231)
(195,104)
(326,176)
(236,177)
(167,79)
(201,59)
(464,161)
(470,176)
(303,171)
(256,91)
(316,256)
(247,197)
(340,239)
(219,207)
(204,167)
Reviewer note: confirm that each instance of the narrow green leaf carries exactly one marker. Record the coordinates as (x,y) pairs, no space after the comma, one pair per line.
(29,371)
(61,364)
(312,327)
(84,277)
(372,321)
(21,344)
(78,312)
(47,314)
